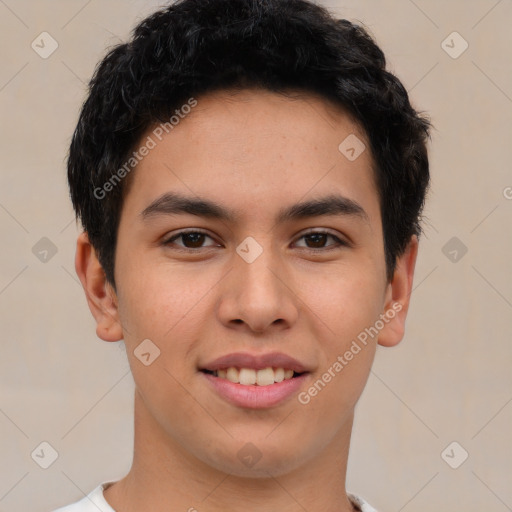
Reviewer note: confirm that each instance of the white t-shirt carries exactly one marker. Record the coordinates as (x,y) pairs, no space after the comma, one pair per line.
(96,502)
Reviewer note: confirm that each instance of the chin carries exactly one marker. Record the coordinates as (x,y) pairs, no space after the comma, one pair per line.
(258,458)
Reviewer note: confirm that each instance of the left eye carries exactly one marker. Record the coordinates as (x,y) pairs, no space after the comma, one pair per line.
(318,238)
(195,240)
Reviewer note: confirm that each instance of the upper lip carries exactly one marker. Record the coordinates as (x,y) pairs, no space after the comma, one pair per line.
(256,362)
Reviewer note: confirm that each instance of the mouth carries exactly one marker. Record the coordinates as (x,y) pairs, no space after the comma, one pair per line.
(256,381)
(251,377)
(255,389)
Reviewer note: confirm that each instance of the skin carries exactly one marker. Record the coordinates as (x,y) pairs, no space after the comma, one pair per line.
(254,152)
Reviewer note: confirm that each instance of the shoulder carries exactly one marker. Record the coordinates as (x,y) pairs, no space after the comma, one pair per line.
(360,503)
(93,502)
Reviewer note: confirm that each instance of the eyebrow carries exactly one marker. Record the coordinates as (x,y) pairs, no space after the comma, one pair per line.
(172,203)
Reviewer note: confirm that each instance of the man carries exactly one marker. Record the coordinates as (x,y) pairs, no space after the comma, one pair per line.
(250,180)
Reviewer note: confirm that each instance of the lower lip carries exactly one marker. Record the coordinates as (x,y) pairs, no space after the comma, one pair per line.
(255,397)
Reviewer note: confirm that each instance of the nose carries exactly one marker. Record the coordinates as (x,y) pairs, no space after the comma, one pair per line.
(258,295)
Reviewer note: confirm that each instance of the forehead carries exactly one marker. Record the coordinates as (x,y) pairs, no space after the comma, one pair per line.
(289,114)
(243,147)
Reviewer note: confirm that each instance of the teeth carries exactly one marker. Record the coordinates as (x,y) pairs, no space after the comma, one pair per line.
(249,376)
(264,377)
(279,374)
(232,375)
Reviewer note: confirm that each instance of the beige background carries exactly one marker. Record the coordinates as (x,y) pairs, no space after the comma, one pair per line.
(449,380)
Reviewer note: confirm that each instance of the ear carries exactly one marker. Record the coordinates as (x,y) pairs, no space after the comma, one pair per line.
(100,295)
(398,293)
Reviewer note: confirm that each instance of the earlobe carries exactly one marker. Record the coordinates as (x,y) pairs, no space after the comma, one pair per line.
(398,295)
(100,295)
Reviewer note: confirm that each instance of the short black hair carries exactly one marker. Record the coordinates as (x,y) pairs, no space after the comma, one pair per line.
(192,47)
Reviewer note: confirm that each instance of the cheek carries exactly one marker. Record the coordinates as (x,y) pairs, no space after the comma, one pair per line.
(345,301)
(156,305)
(345,309)
(167,306)
(155,299)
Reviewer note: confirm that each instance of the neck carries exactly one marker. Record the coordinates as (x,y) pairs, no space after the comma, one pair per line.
(163,473)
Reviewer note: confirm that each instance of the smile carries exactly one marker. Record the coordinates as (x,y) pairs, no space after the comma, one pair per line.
(250,377)
(246,392)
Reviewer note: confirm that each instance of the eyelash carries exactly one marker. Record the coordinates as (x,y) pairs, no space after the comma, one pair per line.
(339,242)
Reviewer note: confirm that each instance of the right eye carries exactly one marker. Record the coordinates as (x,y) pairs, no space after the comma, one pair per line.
(191,240)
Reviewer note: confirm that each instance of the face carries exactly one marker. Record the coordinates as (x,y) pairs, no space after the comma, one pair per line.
(248,240)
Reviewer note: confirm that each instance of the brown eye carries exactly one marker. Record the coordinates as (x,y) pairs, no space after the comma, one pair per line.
(317,240)
(189,239)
